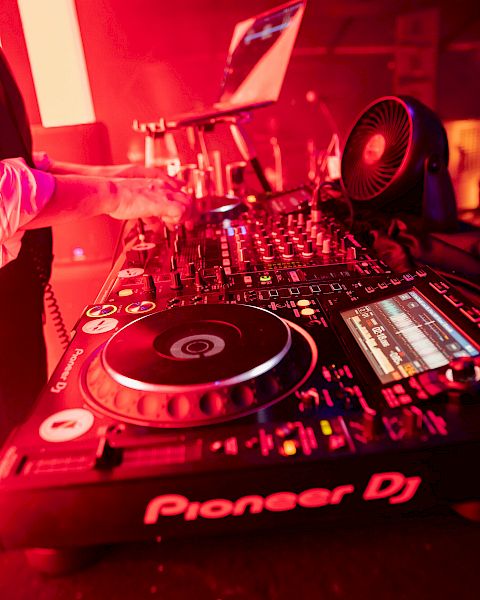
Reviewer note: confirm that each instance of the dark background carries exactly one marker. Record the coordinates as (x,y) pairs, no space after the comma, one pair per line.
(430,557)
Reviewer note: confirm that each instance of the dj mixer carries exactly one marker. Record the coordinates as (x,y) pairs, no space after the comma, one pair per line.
(258,369)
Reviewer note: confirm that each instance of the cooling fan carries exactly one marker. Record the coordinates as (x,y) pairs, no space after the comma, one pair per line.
(395,161)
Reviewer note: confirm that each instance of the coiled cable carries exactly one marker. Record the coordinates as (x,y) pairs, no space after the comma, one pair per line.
(53,309)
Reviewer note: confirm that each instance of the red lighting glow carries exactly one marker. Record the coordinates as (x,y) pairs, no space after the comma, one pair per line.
(374,149)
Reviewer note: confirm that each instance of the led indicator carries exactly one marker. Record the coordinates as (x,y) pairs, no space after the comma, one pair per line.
(264,278)
(125,292)
(289,448)
(304,302)
(251,198)
(307,312)
(78,253)
(326,427)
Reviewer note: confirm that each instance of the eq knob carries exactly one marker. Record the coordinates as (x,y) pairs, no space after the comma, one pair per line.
(351,253)
(463,370)
(288,251)
(269,253)
(308,249)
(200,282)
(175,280)
(148,285)
(221,276)
(462,380)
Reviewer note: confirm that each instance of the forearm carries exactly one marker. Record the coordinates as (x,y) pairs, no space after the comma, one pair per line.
(32,198)
(76,197)
(58,167)
(66,168)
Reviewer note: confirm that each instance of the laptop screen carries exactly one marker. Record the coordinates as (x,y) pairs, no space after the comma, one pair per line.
(259,54)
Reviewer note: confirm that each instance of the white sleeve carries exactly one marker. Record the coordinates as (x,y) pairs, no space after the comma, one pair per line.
(23,194)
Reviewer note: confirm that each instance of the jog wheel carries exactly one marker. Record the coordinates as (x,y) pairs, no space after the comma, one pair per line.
(198,365)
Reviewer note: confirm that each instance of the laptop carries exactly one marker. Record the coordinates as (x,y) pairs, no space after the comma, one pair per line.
(258,57)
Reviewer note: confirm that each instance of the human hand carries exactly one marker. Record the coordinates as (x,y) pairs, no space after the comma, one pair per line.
(141,198)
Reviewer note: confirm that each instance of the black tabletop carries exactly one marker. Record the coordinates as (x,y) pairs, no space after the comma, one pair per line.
(416,557)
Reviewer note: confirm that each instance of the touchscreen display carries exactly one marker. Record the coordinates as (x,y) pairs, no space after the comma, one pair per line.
(404,335)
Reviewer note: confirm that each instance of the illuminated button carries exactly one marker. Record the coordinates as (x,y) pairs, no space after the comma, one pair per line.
(125,292)
(413,383)
(472,313)
(289,447)
(307,312)
(439,286)
(326,427)
(101,310)
(336,442)
(304,302)
(453,300)
(140,307)
(390,397)
(264,278)
(216,446)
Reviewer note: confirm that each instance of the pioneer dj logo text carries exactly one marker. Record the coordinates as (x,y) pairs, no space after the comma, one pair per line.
(61,384)
(394,486)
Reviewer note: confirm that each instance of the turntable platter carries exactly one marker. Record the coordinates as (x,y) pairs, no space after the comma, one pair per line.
(197,365)
(196,347)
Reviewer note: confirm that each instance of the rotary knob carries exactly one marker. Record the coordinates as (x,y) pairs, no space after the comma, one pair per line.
(221,276)
(463,370)
(175,281)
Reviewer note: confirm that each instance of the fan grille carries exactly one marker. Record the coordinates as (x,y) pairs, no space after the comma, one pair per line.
(375,149)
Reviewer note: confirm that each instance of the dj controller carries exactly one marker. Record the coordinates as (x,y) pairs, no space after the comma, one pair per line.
(258,369)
